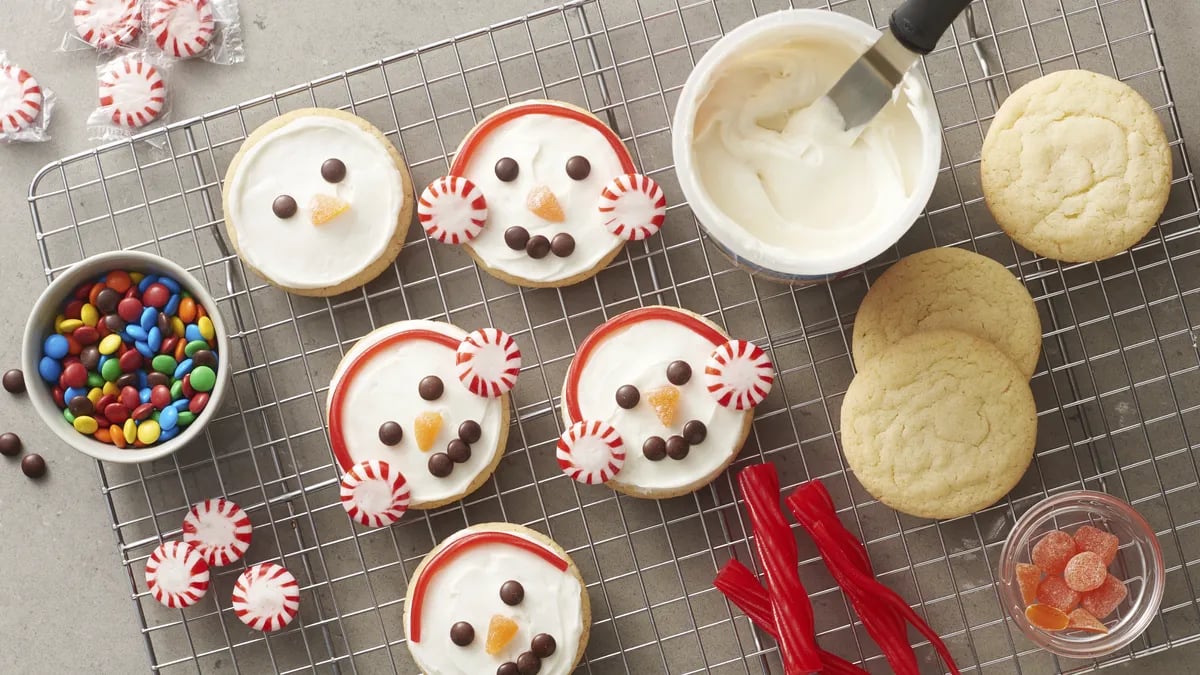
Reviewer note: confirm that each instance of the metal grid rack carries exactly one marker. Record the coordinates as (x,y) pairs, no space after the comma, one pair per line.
(1118,386)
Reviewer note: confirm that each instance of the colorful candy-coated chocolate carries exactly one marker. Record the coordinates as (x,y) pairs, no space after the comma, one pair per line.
(203,379)
(55,346)
(168,418)
(207,330)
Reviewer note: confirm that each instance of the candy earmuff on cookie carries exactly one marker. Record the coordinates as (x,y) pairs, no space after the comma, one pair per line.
(658,401)
(542,193)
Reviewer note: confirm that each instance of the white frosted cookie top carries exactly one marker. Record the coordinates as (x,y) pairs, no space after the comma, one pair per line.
(287,162)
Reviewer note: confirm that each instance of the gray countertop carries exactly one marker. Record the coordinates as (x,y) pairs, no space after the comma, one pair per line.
(63,588)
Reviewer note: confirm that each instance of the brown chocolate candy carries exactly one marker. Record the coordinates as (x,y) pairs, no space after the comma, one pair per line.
(284,206)
(462,633)
(390,433)
(695,432)
(578,167)
(115,323)
(516,237)
(655,449)
(90,357)
(440,464)
(333,170)
(538,247)
(508,668)
(14,381)
(507,169)
(106,301)
(127,380)
(678,373)
(512,593)
(10,444)
(543,645)
(80,406)
(470,431)
(33,466)
(458,451)
(628,396)
(431,388)
(156,378)
(528,664)
(562,245)
(204,357)
(677,448)
(164,327)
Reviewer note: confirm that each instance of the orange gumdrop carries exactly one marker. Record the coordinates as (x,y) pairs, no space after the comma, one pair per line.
(665,402)
(426,428)
(1081,619)
(1046,617)
(1052,551)
(1085,572)
(542,203)
(325,208)
(1103,544)
(1055,592)
(501,631)
(1028,578)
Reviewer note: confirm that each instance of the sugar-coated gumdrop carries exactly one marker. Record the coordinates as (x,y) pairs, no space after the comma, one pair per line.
(1102,601)
(1028,577)
(1085,572)
(665,402)
(426,428)
(1055,592)
(1052,552)
(500,632)
(1046,617)
(325,208)
(1081,619)
(1104,544)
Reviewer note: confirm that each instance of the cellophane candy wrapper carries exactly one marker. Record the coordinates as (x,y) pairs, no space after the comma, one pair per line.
(26,105)
(103,25)
(134,95)
(202,29)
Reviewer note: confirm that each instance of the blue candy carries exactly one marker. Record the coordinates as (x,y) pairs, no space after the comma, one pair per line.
(145,283)
(49,369)
(192,333)
(144,395)
(143,381)
(56,346)
(72,392)
(103,360)
(172,305)
(154,339)
(149,318)
(171,285)
(180,405)
(168,418)
(144,349)
(135,332)
(183,368)
(167,434)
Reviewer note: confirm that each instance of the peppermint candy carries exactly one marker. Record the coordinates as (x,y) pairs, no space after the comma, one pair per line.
(20,99)
(133,91)
(105,24)
(633,207)
(452,210)
(177,574)
(219,529)
(182,28)
(739,374)
(374,494)
(488,362)
(591,452)
(266,597)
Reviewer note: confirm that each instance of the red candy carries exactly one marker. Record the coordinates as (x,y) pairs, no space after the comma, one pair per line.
(131,360)
(1055,592)
(187,386)
(74,308)
(129,398)
(198,402)
(1102,601)
(1104,544)
(1053,551)
(160,396)
(75,375)
(130,309)
(1085,572)
(143,411)
(116,413)
(1028,578)
(86,335)
(57,393)
(156,296)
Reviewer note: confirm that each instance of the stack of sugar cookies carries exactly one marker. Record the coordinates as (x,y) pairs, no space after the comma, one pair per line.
(940,421)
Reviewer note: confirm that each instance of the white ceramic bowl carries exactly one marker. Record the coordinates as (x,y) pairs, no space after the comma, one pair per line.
(797,266)
(41,324)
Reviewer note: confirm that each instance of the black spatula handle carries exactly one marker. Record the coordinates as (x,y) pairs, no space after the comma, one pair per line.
(919,24)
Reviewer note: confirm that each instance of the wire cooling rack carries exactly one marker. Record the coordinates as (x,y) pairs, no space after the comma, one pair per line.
(1118,386)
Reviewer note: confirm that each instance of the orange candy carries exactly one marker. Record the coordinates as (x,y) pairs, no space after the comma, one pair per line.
(543,204)
(116,436)
(665,401)
(1046,617)
(1085,572)
(1028,578)
(325,208)
(1052,552)
(426,428)
(1103,544)
(501,631)
(96,288)
(1104,600)
(187,310)
(103,435)
(1055,592)
(119,281)
(1080,619)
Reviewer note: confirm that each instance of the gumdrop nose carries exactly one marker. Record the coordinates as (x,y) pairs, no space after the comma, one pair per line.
(542,203)
(501,631)
(327,207)
(426,428)
(665,401)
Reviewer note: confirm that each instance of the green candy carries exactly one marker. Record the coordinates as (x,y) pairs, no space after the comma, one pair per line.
(203,379)
(162,363)
(95,380)
(186,417)
(194,346)
(111,370)
(177,390)
(68,416)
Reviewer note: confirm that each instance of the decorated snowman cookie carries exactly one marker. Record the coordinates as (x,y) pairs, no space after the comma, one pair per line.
(418,416)
(317,202)
(497,598)
(542,193)
(658,401)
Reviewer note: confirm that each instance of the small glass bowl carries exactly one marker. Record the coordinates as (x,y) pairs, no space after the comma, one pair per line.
(1139,564)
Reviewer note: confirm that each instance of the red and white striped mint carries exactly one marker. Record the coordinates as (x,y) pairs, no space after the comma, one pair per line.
(374,494)
(20,99)
(133,91)
(177,574)
(182,28)
(219,529)
(739,374)
(488,362)
(105,24)
(452,210)
(266,597)
(633,207)
(591,452)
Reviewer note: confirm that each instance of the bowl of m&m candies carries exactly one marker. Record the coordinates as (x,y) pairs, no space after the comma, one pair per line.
(123,356)
(1081,574)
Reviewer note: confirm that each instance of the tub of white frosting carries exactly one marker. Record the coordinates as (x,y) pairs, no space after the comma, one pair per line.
(766,166)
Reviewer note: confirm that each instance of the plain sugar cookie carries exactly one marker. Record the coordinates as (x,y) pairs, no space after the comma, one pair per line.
(1076,166)
(941,425)
(317,202)
(949,288)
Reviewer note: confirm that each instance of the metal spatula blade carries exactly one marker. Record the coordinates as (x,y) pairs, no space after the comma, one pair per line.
(868,85)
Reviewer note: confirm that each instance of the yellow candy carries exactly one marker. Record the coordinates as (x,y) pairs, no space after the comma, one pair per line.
(137,277)
(207,329)
(95,394)
(85,425)
(325,208)
(67,327)
(148,431)
(130,430)
(58,323)
(110,389)
(110,343)
(177,326)
(89,315)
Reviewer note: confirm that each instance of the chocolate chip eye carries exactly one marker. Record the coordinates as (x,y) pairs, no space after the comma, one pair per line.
(333,170)
(678,373)
(507,169)
(462,633)
(628,396)
(284,206)
(578,167)
(512,593)
(390,433)
(430,388)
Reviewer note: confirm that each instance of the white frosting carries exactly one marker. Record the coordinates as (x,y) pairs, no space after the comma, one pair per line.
(468,589)
(385,389)
(639,354)
(541,144)
(293,252)
(772,155)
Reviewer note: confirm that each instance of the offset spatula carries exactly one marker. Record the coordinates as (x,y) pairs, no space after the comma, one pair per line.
(913,31)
